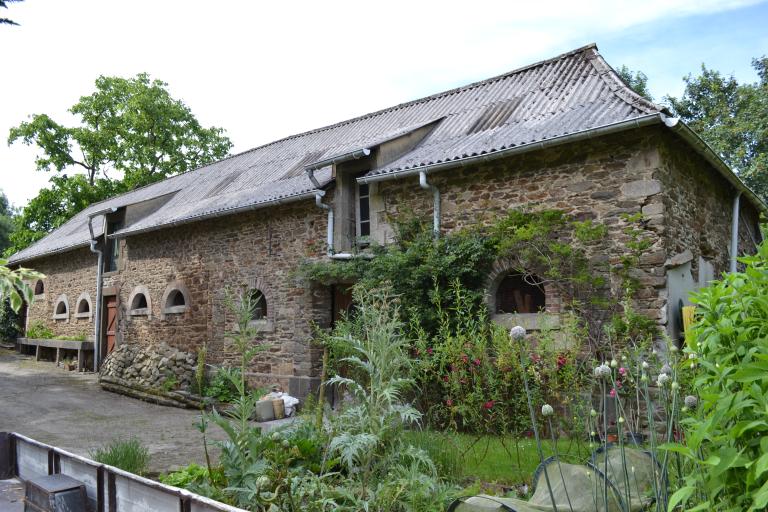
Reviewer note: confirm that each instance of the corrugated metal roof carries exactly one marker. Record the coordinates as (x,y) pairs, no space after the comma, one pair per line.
(570,93)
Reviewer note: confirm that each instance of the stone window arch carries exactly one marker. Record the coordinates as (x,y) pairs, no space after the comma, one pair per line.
(139,302)
(264,313)
(520,298)
(176,299)
(39,288)
(61,308)
(84,306)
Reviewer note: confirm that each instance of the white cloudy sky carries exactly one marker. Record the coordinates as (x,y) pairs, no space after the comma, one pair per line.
(264,70)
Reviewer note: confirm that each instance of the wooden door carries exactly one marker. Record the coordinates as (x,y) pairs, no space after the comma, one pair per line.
(110,324)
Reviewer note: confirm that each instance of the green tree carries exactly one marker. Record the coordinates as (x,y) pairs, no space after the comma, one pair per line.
(636,80)
(4,5)
(132,132)
(732,118)
(6,222)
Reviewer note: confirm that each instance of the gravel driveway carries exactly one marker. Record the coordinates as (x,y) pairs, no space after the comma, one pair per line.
(70,411)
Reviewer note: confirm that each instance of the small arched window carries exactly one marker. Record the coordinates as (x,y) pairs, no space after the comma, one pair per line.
(83,308)
(139,303)
(258,305)
(61,308)
(39,287)
(520,293)
(175,299)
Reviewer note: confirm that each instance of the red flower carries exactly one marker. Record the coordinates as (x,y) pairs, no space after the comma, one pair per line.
(449,402)
(464,358)
(429,350)
(488,405)
(445,378)
(476,362)
(561,361)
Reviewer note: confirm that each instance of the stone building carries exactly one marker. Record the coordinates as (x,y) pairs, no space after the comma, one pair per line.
(565,133)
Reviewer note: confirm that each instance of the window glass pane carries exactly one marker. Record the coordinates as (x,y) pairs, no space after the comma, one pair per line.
(365,212)
(363,190)
(365,229)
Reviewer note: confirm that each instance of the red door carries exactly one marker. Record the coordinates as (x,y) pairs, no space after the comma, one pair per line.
(111,323)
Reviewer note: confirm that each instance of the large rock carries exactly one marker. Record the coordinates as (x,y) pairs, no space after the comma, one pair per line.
(148,367)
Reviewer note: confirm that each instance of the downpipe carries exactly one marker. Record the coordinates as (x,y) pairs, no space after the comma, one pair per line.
(99,270)
(435,200)
(329,236)
(735,231)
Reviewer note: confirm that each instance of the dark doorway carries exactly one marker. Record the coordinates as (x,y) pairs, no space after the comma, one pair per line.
(21,320)
(520,293)
(342,302)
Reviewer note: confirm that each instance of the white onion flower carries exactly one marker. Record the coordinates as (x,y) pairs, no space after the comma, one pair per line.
(517,332)
(662,379)
(547,410)
(614,363)
(602,371)
(691,401)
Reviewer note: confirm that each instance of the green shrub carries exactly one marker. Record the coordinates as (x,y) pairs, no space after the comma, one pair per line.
(38,330)
(129,455)
(726,435)
(221,386)
(9,322)
(196,479)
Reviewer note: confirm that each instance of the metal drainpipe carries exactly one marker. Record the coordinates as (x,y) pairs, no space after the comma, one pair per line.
(320,204)
(435,199)
(99,270)
(735,231)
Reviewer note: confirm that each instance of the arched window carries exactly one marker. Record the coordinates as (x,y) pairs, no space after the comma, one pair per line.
(39,287)
(139,303)
(83,308)
(61,308)
(520,293)
(258,305)
(175,299)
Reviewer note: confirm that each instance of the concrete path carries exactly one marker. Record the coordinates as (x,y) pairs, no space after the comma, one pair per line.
(70,411)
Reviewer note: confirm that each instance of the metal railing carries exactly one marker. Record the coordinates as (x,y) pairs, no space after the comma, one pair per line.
(109,489)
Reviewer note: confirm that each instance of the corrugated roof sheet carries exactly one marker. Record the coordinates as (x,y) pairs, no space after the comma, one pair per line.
(570,93)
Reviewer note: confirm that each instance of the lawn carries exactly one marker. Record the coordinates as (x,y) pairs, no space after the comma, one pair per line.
(492,459)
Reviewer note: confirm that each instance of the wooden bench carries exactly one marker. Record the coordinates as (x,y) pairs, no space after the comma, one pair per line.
(81,346)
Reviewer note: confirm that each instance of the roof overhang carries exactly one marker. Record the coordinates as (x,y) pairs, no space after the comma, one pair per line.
(673,124)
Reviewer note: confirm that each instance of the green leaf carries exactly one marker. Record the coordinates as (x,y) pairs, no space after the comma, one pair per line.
(680,496)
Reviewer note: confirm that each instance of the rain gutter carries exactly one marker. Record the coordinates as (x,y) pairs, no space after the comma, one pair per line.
(435,200)
(345,157)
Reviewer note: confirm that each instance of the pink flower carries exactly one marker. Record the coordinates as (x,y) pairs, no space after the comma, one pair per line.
(476,362)
(445,378)
(488,405)
(449,402)
(430,351)
(612,394)
(623,370)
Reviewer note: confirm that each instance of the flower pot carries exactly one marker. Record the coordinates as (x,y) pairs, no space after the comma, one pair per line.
(612,438)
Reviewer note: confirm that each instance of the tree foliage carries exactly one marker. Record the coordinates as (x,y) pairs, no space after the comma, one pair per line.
(732,118)
(6,222)
(636,80)
(132,133)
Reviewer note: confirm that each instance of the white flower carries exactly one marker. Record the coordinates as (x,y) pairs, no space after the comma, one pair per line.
(662,379)
(547,410)
(614,363)
(517,332)
(602,371)
(691,401)
(621,419)
(593,413)
(691,356)
(645,365)
(675,386)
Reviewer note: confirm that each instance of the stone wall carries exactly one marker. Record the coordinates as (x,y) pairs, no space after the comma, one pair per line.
(69,274)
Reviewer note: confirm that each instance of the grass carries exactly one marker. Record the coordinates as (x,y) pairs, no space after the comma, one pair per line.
(129,455)
(491,459)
